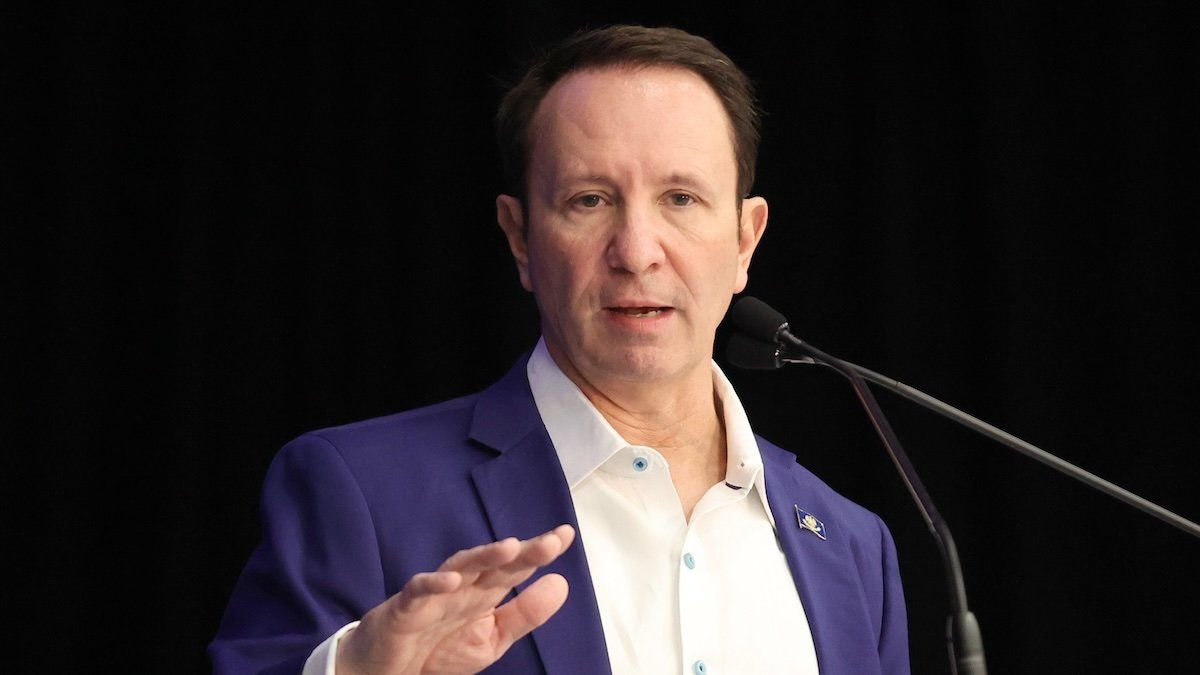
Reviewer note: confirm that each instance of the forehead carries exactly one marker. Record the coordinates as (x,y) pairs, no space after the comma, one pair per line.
(632,115)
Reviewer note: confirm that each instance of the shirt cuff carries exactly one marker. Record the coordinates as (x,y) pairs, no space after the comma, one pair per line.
(323,660)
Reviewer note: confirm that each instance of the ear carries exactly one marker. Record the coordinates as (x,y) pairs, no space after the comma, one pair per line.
(512,220)
(750,230)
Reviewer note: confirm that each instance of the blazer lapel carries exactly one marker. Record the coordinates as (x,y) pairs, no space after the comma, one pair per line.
(525,494)
(823,569)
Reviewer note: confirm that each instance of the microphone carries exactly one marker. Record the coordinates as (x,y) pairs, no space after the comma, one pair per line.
(768,344)
(765,325)
(757,318)
(746,352)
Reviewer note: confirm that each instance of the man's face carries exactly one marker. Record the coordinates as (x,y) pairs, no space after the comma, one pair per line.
(632,242)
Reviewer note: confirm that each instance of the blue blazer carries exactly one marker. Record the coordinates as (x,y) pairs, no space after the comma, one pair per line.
(351,513)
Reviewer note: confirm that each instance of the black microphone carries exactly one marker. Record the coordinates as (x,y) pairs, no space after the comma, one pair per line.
(772,345)
(746,352)
(963,640)
(758,319)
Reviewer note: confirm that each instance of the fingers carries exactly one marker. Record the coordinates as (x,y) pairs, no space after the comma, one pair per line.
(459,598)
(511,554)
(543,548)
(482,557)
(530,609)
(425,585)
(475,578)
(566,534)
(536,552)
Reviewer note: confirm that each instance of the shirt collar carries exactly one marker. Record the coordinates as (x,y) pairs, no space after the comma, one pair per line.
(582,437)
(584,440)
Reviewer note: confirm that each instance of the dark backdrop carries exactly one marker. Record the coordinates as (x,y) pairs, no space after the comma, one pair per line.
(227,226)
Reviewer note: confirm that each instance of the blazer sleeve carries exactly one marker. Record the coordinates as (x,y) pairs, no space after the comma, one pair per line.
(318,566)
(893,628)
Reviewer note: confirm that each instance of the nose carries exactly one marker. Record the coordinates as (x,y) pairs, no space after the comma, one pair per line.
(635,244)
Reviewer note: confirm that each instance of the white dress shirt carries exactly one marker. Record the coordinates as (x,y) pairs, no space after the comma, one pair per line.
(709,596)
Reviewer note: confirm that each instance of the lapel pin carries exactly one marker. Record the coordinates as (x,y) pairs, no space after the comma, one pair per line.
(808,521)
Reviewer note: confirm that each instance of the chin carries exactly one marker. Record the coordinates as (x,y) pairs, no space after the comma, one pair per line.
(644,363)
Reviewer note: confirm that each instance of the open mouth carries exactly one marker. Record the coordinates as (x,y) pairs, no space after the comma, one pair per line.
(638,312)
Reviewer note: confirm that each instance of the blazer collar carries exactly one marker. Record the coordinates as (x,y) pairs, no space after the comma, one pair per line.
(505,412)
(525,494)
(823,569)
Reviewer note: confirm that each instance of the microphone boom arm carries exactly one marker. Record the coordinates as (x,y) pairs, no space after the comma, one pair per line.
(963,638)
(763,344)
(1004,438)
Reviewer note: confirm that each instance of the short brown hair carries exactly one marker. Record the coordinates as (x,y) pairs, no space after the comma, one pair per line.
(627,46)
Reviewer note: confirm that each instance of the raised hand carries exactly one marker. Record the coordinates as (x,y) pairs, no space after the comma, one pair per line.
(448,621)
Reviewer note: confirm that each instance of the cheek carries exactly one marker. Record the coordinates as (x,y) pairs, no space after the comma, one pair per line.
(560,269)
(715,267)
(712,278)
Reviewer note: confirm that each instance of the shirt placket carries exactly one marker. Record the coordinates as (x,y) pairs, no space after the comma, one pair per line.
(702,644)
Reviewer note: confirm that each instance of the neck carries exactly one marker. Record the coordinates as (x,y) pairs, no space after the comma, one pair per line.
(678,417)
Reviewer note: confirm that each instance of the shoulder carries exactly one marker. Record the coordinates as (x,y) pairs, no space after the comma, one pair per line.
(817,497)
(859,550)
(448,418)
(424,441)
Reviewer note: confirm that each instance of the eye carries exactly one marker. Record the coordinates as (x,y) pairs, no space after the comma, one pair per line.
(589,201)
(681,199)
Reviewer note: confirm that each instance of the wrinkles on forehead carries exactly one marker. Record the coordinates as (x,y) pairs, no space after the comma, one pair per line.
(619,125)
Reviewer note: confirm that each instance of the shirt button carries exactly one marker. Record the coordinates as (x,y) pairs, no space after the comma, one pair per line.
(640,464)
(700,668)
(690,561)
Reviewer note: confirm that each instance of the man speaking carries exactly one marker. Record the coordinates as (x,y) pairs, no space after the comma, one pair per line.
(605,507)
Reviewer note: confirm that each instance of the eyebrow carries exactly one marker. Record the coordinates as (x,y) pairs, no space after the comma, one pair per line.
(675,179)
(587,178)
(688,181)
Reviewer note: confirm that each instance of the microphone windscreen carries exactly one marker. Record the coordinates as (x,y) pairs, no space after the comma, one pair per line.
(756,318)
(746,352)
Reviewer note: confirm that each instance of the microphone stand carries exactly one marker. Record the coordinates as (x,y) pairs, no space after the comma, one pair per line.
(964,640)
(763,345)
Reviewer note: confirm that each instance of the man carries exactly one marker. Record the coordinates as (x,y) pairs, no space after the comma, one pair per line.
(630,154)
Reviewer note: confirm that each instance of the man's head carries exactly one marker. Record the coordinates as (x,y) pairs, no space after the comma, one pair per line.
(630,46)
(632,232)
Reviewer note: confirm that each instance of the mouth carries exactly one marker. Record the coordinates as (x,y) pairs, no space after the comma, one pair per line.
(644,312)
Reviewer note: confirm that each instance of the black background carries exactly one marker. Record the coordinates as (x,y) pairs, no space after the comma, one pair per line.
(226,226)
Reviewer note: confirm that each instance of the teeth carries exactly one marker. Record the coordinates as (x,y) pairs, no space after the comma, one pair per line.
(640,312)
